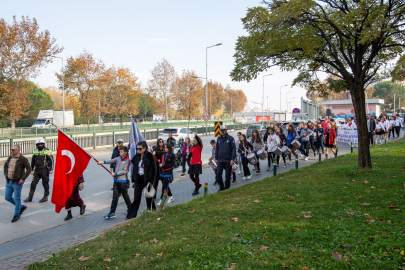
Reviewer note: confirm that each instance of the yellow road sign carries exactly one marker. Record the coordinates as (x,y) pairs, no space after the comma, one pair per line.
(217,129)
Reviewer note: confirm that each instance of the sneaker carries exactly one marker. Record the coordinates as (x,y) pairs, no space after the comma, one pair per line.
(15,218)
(285,165)
(82,209)
(301,155)
(249,176)
(257,172)
(269,169)
(306,158)
(22,209)
(160,201)
(110,216)
(170,200)
(215,183)
(244,178)
(183,174)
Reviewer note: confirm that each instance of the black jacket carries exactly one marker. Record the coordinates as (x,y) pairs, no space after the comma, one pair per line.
(149,167)
(372,125)
(169,162)
(225,150)
(115,153)
(172,141)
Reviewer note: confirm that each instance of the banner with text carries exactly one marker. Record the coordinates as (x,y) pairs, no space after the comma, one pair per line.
(347,136)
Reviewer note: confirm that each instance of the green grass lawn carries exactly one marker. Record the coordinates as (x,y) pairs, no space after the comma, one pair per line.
(325,216)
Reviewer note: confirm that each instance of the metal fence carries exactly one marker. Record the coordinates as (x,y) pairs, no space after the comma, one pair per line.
(97,140)
(27,132)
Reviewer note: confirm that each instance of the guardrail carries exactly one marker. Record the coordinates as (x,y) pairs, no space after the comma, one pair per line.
(98,140)
(6,133)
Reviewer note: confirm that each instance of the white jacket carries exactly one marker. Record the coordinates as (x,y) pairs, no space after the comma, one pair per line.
(378,126)
(392,124)
(272,140)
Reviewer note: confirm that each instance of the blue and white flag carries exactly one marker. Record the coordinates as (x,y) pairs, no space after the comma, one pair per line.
(135,136)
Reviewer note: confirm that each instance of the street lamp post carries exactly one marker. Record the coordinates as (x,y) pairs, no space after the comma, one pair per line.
(63,92)
(394,104)
(290,103)
(286,101)
(280,96)
(206,83)
(263,98)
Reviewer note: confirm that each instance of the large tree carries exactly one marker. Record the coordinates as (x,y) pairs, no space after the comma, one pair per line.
(235,101)
(159,86)
(349,39)
(24,49)
(386,91)
(83,76)
(188,92)
(39,99)
(147,106)
(216,97)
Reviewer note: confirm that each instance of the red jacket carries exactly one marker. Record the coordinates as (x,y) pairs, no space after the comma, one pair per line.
(332,136)
(196,154)
(325,124)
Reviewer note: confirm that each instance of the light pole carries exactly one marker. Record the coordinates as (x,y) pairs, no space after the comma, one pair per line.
(394,104)
(280,96)
(206,80)
(263,98)
(286,101)
(290,103)
(267,103)
(399,105)
(63,93)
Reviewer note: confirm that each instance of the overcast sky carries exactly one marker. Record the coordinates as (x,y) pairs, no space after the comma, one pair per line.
(138,34)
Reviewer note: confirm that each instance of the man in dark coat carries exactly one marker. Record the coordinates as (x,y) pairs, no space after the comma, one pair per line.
(225,154)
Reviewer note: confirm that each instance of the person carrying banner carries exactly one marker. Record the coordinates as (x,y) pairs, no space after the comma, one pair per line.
(42,166)
(143,173)
(225,154)
(195,168)
(120,179)
(166,164)
(75,199)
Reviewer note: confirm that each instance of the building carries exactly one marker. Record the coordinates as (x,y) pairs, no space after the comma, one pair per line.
(345,106)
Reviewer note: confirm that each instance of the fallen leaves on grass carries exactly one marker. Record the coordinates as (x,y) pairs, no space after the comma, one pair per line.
(107,260)
(340,202)
(83,259)
(263,248)
(158,218)
(373,187)
(123,232)
(285,266)
(221,236)
(137,255)
(154,240)
(365,203)
(392,206)
(169,233)
(365,183)
(231,205)
(160,254)
(386,234)
(350,213)
(191,211)
(235,219)
(291,197)
(337,256)
(371,221)
(298,229)
(305,268)
(256,201)
(307,216)
(398,210)
(128,225)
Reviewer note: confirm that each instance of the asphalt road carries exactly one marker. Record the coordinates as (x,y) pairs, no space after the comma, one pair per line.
(97,195)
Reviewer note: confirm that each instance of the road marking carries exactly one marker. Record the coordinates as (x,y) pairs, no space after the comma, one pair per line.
(3,188)
(100,193)
(37,212)
(86,170)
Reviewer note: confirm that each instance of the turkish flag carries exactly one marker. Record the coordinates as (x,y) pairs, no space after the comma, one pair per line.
(71,161)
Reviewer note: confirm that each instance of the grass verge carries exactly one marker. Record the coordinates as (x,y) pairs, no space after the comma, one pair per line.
(325,216)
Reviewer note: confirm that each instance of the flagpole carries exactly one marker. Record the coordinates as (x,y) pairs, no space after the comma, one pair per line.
(83,149)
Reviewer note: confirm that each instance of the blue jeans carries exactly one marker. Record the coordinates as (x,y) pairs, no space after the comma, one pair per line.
(16,189)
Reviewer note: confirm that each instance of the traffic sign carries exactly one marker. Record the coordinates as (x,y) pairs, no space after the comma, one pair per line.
(296,110)
(206,116)
(217,129)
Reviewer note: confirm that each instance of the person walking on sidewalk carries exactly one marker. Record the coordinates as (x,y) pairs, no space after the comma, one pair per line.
(195,168)
(42,166)
(397,125)
(75,199)
(16,170)
(171,140)
(214,145)
(166,164)
(257,144)
(239,158)
(185,155)
(330,140)
(244,149)
(120,180)
(371,129)
(159,148)
(115,154)
(225,154)
(143,173)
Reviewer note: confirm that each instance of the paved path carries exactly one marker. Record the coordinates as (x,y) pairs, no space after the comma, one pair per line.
(44,232)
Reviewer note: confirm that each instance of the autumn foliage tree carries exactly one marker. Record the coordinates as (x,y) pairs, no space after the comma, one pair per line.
(235,101)
(122,91)
(216,97)
(83,76)
(187,93)
(160,85)
(24,49)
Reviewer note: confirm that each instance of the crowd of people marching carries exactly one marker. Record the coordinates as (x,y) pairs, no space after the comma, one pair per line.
(150,166)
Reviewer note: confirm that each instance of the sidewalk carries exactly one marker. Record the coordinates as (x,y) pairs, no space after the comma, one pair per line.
(18,253)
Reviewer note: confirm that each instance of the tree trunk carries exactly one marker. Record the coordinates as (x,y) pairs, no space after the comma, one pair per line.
(13,123)
(121,120)
(88,121)
(359,103)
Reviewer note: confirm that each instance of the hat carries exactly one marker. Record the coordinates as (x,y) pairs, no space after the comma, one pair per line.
(120,141)
(223,127)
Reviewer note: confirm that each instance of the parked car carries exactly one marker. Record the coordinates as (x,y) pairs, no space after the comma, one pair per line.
(177,133)
(260,128)
(157,121)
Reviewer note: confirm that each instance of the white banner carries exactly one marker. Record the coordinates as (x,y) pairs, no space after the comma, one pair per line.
(347,136)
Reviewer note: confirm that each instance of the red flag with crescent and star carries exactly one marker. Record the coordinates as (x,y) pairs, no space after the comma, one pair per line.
(71,161)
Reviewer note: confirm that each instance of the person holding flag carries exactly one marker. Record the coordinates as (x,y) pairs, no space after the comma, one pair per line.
(120,179)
